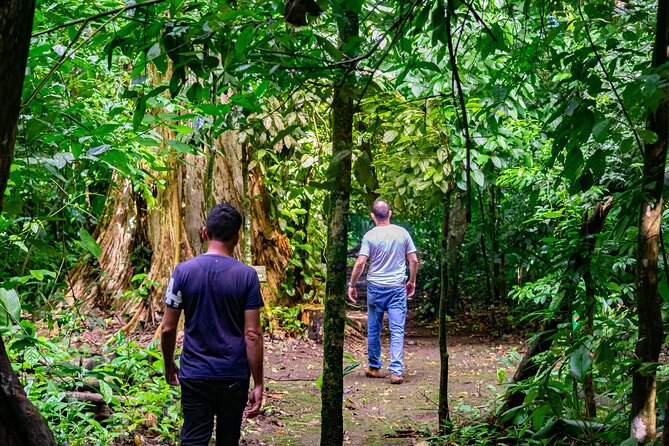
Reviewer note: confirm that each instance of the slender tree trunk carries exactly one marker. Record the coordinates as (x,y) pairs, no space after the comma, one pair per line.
(339,173)
(497,266)
(643,425)
(444,415)
(589,322)
(484,253)
(456,234)
(20,423)
(489,278)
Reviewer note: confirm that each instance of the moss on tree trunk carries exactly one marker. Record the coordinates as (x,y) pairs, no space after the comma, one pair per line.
(20,423)
(339,176)
(651,335)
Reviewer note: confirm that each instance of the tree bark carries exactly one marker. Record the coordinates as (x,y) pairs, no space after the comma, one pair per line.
(20,423)
(456,234)
(339,176)
(170,231)
(444,415)
(643,423)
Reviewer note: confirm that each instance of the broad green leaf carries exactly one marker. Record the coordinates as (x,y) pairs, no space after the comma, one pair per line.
(40,273)
(89,243)
(140,111)
(389,136)
(604,358)
(106,391)
(539,416)
(573,163)
(31,356)
(580,362)
(600,131)
(153,52)
(648,136)
(10,307)
(478,176)
(243,41)
(597,163)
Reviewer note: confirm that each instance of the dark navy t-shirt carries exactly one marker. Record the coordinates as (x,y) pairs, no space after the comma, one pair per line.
(214,292)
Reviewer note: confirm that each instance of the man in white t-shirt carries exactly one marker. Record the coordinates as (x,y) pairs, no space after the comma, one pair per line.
(388,247)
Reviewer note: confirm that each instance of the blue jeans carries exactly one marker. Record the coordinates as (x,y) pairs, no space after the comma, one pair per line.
(394,301)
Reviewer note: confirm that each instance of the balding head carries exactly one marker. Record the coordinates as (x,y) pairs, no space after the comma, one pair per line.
(381,211)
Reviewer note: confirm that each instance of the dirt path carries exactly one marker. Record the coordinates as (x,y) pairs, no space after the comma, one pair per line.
(376,412)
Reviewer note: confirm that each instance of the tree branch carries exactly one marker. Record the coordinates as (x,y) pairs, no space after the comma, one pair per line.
(85,20)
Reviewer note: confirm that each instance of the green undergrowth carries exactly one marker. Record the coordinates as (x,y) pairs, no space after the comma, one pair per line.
(137,403)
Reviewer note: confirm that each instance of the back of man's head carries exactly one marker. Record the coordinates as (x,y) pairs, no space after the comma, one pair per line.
(223,222)
(381,210)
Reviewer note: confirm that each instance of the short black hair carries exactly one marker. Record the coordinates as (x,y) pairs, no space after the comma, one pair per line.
(381,210)
(223,222)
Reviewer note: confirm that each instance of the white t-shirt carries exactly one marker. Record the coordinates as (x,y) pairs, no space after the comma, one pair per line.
(387,248)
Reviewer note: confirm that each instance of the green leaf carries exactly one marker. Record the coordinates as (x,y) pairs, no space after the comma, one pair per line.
(600,131)
(539,416)
(243,41)
(31,356)
(604,358)
(153,52)
(580,362)
(40,273)
(106,392)
(89,243)
(573,163)
(630,442)
(140,111)
(10,307)
(597,163)
(349,368)
(648,136)
(389,136)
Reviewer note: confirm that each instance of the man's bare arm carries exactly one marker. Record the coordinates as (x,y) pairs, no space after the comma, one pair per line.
(413,272)
(168,340)
(355,275)
(254,353)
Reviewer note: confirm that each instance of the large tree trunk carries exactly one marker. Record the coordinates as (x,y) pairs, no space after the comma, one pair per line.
(20,423)
(132,236)
(643,425)
(332,421)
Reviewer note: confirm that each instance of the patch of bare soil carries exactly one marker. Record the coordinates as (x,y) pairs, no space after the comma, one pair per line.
(376,412)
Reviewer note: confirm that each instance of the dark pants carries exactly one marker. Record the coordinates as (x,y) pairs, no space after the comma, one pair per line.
(201,400)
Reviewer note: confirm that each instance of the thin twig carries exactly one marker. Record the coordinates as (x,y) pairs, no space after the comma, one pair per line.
(98,16)
(428,398)
(480,20)
(67,53)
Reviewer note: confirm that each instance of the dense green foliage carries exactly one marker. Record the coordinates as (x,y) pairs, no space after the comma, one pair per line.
(557,95)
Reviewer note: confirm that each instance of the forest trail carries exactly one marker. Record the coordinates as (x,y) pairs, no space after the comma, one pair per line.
(376,412)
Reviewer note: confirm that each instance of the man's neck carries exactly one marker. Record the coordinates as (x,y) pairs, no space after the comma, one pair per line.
(383,223)
(220,248)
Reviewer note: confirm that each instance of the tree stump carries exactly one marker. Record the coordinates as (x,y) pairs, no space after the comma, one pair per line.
(312,316)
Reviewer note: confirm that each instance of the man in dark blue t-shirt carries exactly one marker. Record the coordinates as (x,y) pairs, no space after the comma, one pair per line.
(221,301)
